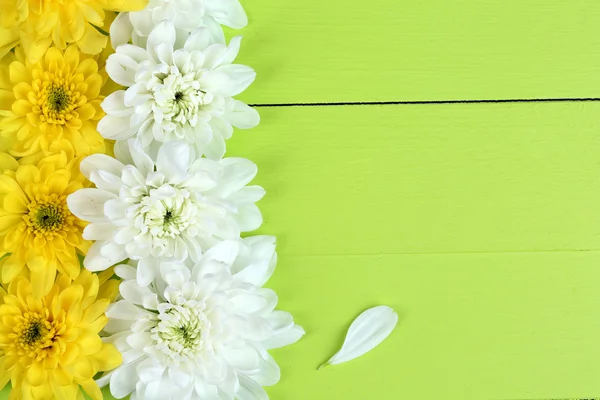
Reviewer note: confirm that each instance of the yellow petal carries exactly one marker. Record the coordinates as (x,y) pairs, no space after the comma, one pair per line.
(11,269)
(13,203)
(108,357)
(94,311)
(89,342)
(91,388)
(92,41)
(37,375)
(18,72)
(21,107)
(4,378)
(70,297)
(42,276)
(7,98)
(8,162)
(61,376)
(27,174)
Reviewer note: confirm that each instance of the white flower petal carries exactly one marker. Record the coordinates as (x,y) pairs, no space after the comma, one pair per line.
(162,36)
(98,231)
(174,160)
(268,372)
(366,332)
(249,218)
(227,12)
(242,116)
(100,162)
(250,390)
(284,338)
(146,270)
(122,68)
(114,105)
(88,204)
(241,75)
(120,30)
(123,381)
(199,40)
(115,128)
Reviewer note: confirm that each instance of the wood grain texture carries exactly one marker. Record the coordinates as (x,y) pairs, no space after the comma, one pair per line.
(428,179)
(356,50)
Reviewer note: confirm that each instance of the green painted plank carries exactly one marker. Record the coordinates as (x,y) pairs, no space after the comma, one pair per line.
(472,327)
(355,50)
(428,179)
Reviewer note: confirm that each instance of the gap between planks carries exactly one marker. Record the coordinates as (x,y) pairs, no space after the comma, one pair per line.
(431,102)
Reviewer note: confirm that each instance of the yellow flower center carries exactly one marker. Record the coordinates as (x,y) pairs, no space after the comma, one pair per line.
(56,98)
(34,335)
(49,216)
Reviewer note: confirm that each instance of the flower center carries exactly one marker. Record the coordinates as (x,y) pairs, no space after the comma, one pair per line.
(58,98)
(34,335)
(178,100)
(48,216)
(168,217)
(180,331)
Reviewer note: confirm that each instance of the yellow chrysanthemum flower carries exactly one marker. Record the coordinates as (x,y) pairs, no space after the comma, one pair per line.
(36,24)
(50,348)
(51,105)
(36,226)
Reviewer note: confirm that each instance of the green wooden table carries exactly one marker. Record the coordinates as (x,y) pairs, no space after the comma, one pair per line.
(479,223)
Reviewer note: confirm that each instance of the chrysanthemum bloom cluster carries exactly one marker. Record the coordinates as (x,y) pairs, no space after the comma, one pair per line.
(50,347)
(114,160)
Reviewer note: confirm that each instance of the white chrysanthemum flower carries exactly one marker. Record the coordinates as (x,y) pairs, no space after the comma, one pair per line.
(200,331)
(186,15)
(178,90)
(175,207)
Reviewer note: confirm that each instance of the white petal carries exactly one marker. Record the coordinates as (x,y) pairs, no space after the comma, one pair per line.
(243,358)
(215,148)
(142,161)
(133,292)
(162,34)
(268,372)
(146,270)
(88,204)
(122,68)
(198,40)
(250,390)
(174,160)
(227,12)
(237,173)
(115,128)
(225,252)
(120,30)
(96,261)
(126,311)
(249,218)
(284,338)
(174,274)
(366,332)
(100,162)
(241,115)
(114,105)
(149,370)
(122,152)
(123,381)
(125,271)
(98,231)
(257,274)
(241,75)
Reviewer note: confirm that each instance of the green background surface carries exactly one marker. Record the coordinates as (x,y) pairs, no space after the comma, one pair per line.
(478,223)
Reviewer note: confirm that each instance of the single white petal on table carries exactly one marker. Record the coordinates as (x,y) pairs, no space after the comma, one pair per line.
(366,332)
